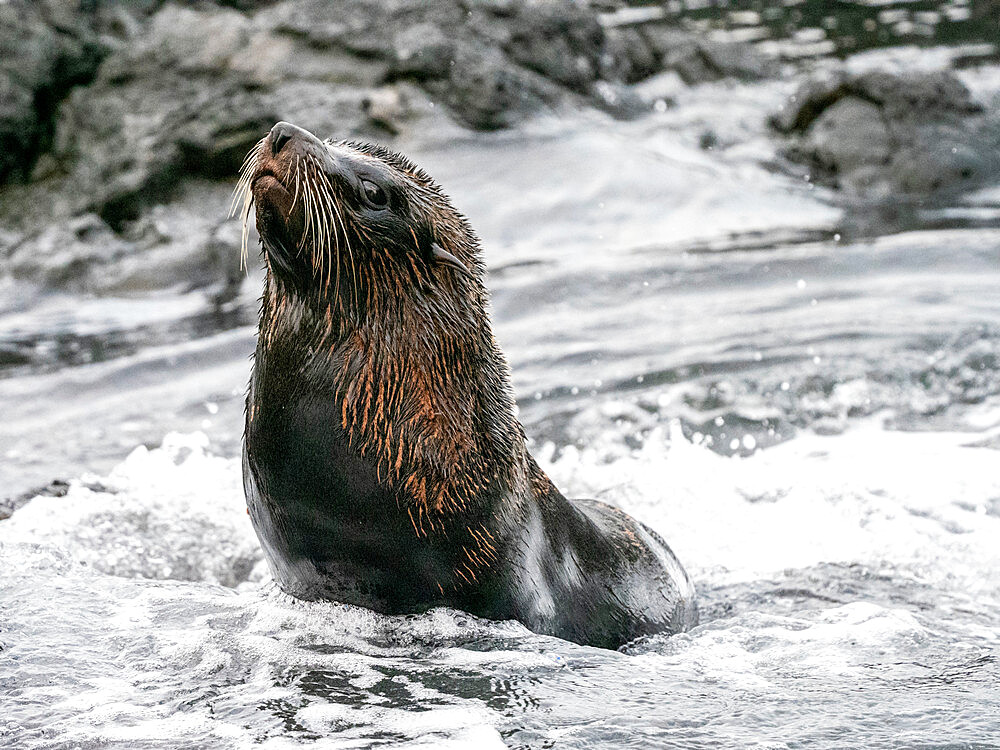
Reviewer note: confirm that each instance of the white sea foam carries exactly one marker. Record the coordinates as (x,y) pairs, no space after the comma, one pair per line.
(920,500)
(176,512)
(107,656)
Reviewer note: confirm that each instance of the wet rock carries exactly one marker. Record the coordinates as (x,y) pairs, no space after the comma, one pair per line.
(111,110)
(867,150)
(560,39)
(629,57)
(186,243)
(390,107)
(167,107)
(486,93)
(45,50)
(423,52)
(66,255)
(699,60)
(888,134)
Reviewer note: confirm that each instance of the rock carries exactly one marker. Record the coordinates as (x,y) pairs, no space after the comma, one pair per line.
(422,52)
(45,50)
(699,60)
(112,113)
(629,57)
(486,93)
(868,149)
(66,255)
(560,39)
(892,134)
(186,243)
(166,107)
(389,107)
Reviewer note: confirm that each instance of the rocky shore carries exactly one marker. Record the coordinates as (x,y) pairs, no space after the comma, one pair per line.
(122,125)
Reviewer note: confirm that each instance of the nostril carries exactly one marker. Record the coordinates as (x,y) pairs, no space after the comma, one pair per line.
(280,135)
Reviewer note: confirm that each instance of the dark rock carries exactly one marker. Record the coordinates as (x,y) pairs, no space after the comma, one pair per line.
(888,134)
(45,50)
(560,39)
(629,57)
(115,112)
(698,60)
(168,107)
(486,93)
(914,96)
(66,255)
(868,150)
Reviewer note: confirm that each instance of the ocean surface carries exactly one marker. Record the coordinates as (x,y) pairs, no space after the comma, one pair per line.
(801,395)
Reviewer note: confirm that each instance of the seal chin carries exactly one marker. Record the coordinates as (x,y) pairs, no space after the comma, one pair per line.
(276,216)
(268,191)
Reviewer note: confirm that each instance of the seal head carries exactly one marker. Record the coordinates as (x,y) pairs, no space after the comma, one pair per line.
(384,465)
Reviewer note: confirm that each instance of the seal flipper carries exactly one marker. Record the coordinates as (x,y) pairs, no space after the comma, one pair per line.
(592,574)
(658,589)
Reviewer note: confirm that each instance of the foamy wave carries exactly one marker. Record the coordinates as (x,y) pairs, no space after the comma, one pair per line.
(927,501)
(175,512)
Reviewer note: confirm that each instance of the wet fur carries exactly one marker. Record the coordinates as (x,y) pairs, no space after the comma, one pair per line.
(383,463)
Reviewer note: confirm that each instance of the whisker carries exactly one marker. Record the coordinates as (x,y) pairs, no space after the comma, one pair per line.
(295,195)
(316,224)
(245,232)
(246,172)
(325,237)
(243,193)
(350,253)
(322,185)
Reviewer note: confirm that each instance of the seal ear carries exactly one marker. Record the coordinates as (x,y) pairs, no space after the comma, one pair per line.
(443,256)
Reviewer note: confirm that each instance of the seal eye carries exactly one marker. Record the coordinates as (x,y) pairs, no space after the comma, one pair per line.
(374,195)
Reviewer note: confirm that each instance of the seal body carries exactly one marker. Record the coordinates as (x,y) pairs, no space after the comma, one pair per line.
(383,462)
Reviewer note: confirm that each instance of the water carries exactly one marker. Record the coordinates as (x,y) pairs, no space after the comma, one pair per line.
(807,408)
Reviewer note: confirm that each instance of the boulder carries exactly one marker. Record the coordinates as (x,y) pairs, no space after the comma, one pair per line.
(892,134)
(45,50)
(66,255)
(699,60)
(561,40)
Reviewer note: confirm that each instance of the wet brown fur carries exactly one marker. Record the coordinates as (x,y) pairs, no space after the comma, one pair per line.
(356,309)
(408,390)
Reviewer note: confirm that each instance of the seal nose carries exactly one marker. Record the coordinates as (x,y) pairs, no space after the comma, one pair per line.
(280,135)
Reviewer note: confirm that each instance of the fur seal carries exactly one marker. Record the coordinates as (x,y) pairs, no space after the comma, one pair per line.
(383,463)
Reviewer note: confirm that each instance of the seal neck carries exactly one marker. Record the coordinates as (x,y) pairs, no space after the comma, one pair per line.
(422,396)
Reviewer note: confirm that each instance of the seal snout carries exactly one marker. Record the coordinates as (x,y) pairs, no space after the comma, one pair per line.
(284,133)
(281,134)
